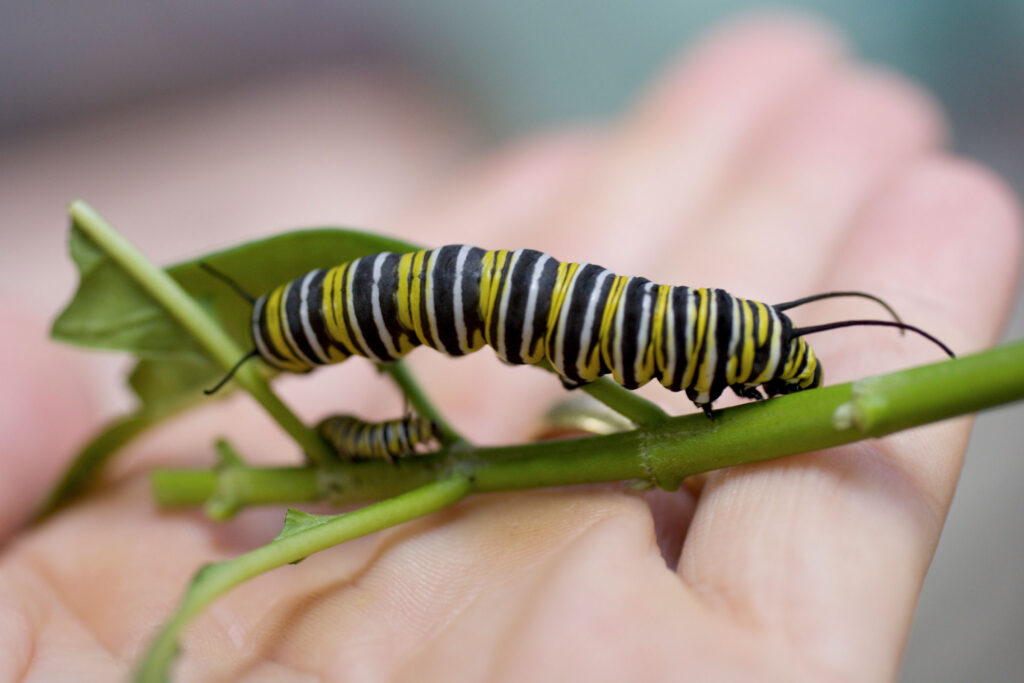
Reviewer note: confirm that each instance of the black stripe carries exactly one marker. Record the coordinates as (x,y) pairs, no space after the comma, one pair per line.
(762,352)
(723,332)
(633,312)
(573,331)
(362,301)
(516,311)
(682,315)
(704,339)
(444,302)
(318,315)
(293,316)
(472,272)
(542,307)
(388,288)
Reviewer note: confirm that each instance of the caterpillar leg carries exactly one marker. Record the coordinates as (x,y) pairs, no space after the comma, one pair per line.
(569,384)
(752,393)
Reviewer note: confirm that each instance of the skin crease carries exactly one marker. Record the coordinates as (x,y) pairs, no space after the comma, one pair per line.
(767,162)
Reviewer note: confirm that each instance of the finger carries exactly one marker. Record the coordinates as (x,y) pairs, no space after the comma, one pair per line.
(670,156)
(45,413)
(828,550)
(490,203)
(805,184)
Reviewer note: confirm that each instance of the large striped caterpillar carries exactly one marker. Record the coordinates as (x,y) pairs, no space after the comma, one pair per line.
(581,318)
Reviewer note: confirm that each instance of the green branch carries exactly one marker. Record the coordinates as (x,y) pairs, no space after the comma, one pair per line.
(637,409)
(190,315)
(302,536)
(666,454)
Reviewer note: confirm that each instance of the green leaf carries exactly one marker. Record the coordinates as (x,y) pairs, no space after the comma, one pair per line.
(110,310)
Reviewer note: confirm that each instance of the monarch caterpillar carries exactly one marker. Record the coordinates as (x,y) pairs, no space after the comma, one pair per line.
(581,318)
(356,439)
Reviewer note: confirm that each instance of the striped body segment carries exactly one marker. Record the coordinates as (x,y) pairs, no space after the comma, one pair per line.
(583,319)
(353,438)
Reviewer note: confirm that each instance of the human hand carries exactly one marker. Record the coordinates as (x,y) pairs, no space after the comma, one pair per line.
(766,164)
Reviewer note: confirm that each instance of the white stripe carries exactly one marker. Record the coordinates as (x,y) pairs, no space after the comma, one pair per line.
(588,321)
(531,305)
(378,315)
(460,318)
(775,360)
(643,337)
(734,336)
(428,288)
(257,336)
(307,328)
(503,306)
(350,304)
(287,328)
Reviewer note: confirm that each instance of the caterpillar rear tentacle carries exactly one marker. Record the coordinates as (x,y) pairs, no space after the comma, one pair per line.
(581,318)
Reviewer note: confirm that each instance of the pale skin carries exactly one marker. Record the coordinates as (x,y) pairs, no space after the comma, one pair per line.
(767,162)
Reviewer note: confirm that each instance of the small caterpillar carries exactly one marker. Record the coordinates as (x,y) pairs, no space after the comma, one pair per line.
(356,439)
(581,318)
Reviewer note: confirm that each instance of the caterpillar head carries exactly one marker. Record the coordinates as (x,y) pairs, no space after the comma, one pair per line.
(800,370)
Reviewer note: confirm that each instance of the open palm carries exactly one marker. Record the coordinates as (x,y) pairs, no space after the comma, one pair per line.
(765,163)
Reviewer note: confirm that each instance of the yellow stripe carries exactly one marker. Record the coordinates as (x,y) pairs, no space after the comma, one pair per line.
(486,267)
(402,297)
(274,328)
(326,305)
(493,278)
(416,295)
(795,361)
(658,329)
(563,279)
(812,364)
(763,319)
(334,354)
(608,319)
(339,330)
(748,348)
(646,369)
(707,317)
(695,334)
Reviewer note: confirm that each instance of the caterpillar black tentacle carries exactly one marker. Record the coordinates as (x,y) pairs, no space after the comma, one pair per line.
(583,319)
(356,439)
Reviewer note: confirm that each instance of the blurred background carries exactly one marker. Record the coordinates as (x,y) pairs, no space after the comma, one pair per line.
(116,102)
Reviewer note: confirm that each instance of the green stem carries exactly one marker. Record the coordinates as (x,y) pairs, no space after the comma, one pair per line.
(677,448)
(214,580)
(636,408)
(641,412)
(195,320)
(400,374)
